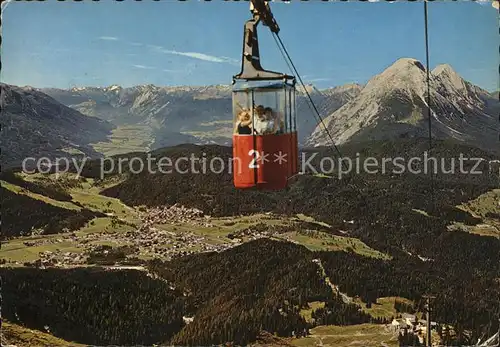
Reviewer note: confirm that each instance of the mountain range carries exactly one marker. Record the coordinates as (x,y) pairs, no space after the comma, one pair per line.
(112,120)
(172,115)
(392,104)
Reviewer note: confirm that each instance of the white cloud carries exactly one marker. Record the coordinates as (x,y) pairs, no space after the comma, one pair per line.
(108,38)
(172,71)
(319,79)
(156,47)
(231,60)
(138,66)
(196,55)
(200,56)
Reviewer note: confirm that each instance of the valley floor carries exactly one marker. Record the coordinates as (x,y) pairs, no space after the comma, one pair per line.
(162,233)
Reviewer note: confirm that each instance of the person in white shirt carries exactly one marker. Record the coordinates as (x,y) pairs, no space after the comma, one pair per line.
(260,120)
(270,121)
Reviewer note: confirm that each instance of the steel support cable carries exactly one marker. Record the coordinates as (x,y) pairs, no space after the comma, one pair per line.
(316,112)
(292,72)
(429,111)
(309,96)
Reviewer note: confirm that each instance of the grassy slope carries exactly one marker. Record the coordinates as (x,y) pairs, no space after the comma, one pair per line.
(16,250)
(88,196)
(384,308)
(13,334)
(482,207)
(20,190)
(363,335)
(307,312)
(321,241)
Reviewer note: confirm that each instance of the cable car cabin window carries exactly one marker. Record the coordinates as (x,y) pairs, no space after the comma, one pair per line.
(262,110)
(281,113)
(268,115)
(242,113)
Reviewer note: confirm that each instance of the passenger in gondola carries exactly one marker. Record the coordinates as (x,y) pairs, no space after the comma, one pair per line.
(244,123)
(275,123)
(271,120)
(280,122)
(260,122)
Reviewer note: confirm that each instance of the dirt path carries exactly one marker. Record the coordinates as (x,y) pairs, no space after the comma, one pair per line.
(334,287)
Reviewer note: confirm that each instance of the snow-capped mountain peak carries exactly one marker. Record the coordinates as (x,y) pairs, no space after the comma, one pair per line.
(394,103)
(113,87)
(405,74)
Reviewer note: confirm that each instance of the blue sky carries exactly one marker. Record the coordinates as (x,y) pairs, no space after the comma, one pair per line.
(67,44)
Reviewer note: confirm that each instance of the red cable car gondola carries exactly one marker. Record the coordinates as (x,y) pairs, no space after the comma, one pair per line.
(265,147)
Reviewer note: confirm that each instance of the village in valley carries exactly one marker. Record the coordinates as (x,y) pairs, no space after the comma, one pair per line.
(128,236)
(164,233)
(411,324)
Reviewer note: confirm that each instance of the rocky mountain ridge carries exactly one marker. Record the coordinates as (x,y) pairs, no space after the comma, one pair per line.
(394,104)
(35,125)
